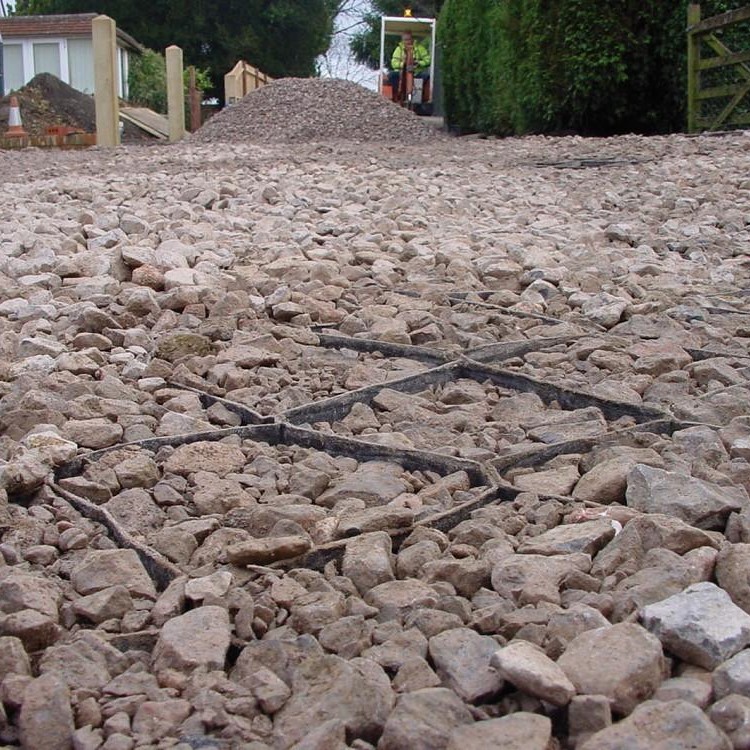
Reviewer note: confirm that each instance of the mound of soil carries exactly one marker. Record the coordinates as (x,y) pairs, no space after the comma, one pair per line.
(300,110)
(46,100)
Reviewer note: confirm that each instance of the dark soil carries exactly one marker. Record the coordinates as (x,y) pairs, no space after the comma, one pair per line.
(46,100)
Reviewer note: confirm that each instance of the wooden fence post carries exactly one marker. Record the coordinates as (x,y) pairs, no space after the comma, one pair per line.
(693,61)
(195,102)
(175,94)
(106,100)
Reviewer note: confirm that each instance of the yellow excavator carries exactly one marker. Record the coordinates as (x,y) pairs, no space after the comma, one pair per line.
(408,76)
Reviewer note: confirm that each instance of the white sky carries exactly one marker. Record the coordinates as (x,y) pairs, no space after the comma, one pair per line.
(338,61)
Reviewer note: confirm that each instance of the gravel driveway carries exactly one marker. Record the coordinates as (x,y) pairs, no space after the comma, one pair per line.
(355,443)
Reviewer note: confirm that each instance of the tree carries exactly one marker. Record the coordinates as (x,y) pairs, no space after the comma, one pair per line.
(521,66)
(339,61)
(365,44)
(281,37)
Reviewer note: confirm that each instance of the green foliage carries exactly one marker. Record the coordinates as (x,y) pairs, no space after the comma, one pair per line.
(147,80)
(519,66)
(365,45)
(281,37)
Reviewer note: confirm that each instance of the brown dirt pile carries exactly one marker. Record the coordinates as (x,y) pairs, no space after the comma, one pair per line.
(46,100)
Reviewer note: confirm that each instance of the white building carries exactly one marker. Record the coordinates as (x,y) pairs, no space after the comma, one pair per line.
(58,44)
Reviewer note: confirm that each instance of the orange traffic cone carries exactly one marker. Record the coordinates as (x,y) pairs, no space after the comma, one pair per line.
(15,126)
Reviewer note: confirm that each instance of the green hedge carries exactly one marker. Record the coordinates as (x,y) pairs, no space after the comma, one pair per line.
(522,66)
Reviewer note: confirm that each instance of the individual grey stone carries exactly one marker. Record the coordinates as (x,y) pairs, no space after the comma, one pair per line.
(102,569)
(78,664)
(51,447)
(519,731)
(462,660)
(136,512)
(138,471)
(170,603)
(699,503)
(732,565)
(265,551)
(375,482)
(401,596)
(310,612)
(626,552)
(732,715)
(559,481)
(588,714)
(326,687)
(216,458)
(87,738)
(655,724)
(529,579)
(281,657)
(46,718)
(20,590)
(411,559)
(606,482)
(93,433)
(414,674)
(424,720)
(576,619)
(13,657)
(174,543)
(588,537)
(700,625)
(24,473)
(35,630)
(367,561)
(466,575)
(690,689)
(183,344)
(528,668)
(346,637)
(199,638)
(270,691)
(623,662)
(156,719)
(331,735)
(604,309)
(374,519)
(733,676)
(215,585)
(107,604)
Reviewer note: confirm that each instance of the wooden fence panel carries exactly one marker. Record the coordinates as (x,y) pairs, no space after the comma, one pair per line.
(702,36)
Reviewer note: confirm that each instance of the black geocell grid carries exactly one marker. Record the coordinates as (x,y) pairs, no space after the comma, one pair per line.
(285,429)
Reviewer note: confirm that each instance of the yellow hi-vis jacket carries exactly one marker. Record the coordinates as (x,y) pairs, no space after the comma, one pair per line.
(421,57)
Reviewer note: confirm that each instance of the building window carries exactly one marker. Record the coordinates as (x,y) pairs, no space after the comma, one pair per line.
(47,58)
(80,65)
(13,67)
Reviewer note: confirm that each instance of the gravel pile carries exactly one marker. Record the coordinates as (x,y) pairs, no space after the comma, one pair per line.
(298,110)
(409,549)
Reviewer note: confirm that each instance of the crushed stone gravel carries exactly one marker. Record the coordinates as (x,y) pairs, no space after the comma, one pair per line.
(299,110)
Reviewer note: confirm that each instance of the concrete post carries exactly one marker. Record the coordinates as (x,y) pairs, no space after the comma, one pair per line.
(175,94)
(107,103)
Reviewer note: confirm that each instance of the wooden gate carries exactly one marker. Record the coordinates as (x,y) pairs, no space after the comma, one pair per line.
(718,77)
(241,80)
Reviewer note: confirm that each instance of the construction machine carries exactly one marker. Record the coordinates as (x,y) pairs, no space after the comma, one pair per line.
(407,76)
